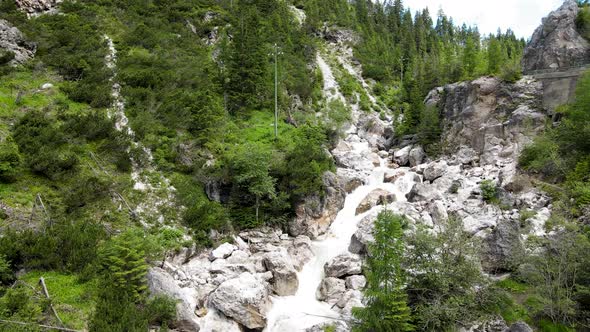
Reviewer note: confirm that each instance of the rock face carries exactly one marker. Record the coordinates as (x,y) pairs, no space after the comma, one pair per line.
(37,7)
(489,117)
(314,216)
(159,282)
(556,43)
(13,42)
(245,299)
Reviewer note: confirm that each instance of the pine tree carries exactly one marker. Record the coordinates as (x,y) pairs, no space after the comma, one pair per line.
(123,261)
(387,308)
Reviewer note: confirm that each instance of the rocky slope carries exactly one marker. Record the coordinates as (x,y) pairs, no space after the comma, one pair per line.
(556,43)
(13,42)
(38,7)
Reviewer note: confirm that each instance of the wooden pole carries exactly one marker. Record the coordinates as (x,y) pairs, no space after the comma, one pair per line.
(40,325)
(46,292)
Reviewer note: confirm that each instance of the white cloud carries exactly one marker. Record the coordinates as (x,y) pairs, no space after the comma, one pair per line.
(523,16)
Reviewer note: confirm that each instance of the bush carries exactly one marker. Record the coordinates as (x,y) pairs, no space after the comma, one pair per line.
(543,157)
(583,22)
(10,160)
(160,310)
(6,56)
(511,72)
(489,190)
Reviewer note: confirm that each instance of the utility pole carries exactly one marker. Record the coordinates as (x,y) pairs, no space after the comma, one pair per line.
(276,53)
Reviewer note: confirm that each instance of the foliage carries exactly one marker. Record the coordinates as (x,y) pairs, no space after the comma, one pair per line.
(583,22)
(387,305)
(489,190)
(557,273)
(123,262)
(446,286)
(10,160)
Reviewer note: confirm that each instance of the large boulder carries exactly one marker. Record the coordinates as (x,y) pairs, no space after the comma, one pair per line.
(245,299)
(12,41)
(363,235)
(416,156)
(223,251)
(315,215)
(556,43)
(356,282)
(402,157)
(217,322)
(503,246)
(284,276)
(435,170)
(376,197)
(300,251)
(344,265)
(423,192)
(331,290)
(162,283)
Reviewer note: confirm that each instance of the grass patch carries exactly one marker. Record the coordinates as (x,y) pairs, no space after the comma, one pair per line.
(73,300)
(513,286)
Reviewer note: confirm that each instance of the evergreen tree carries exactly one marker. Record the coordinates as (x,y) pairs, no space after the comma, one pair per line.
(124,265)
(387,308)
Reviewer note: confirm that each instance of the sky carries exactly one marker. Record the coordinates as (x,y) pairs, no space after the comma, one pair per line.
(523,16)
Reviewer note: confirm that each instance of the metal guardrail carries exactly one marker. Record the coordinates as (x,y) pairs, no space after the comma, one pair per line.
(558,70)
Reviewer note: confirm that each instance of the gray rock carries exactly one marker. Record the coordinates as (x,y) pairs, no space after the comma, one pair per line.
(36,7)
(223,251)
(438,212)
(331,290)
(344,265)
(362,236)
(557,43)
(435,170)
(245,299)
(350,296)
(284,281)
(416,156)
(520,327)
(300,251)
(357,282)
(503,246)
(315,215)
(423,192)
(12,40)
(402,157)
(376,197)
(217,322)
(162,283)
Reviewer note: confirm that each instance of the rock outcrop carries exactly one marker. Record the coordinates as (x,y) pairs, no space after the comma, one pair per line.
(344,265)
(14,49)
(38,7)
(556,44)
(492,118)
(316,214)
(376,197)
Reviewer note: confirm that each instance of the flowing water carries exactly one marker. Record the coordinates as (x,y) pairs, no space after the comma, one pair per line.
(303,310)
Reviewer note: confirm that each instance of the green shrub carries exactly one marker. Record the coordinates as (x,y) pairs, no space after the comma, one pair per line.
(511,72)
(6,56)
(160,310)
(543,157)
(583,22)
(10,160)
(489,190)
